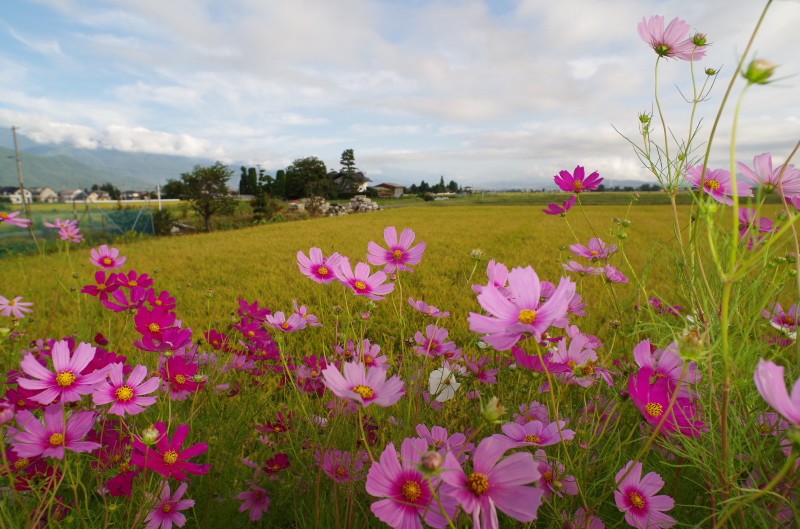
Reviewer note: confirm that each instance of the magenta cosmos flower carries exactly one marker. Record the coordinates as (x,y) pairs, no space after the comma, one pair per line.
(128,396)
(52,438)
(511,318)
(16,308)
(11,218)
(407,492)
(763,175)
(672,41)
(555,209)
(67,382)
(362,385)
(535,433)
(400,253)
(316,267)
(373,286)
(770,383)
(596,251)
(278,321)
(654,398)
(717,183)
(636,498)
(107,258)
(577,181)
(495,484)
(168,458)
(166,512)
(256,500)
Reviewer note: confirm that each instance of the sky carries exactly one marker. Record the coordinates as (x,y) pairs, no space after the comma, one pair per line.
(490,93)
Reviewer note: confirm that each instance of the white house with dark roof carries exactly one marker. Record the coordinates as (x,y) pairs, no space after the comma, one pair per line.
(14,195)
(44,194)
(390,190)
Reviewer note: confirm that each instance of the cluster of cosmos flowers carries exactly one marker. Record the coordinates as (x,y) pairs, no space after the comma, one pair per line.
(73,397)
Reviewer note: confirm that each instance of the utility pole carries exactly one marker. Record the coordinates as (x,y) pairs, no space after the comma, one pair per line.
(22,185)
(19,174)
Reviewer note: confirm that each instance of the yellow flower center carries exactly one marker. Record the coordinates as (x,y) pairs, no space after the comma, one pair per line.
(788,320)
(57,439)
(411,491)
(397,254)
(3,215)
(654,409)
(594,253)
(360,285)
(133,283)
(251,333)
(170,457)
(365,392)
(154,327)
(577,185)
(765,429)
(636,500)
(101,286)
(124,393)
(572,364)
(65,379)
(548,476)
(19,464)
(527,316)
(21,403)
(533,438)
(322,270)
(167,507)
(159,302)
(285,325)
(712,184)
(589,368)
(180,379)
(368,359)
(341,471)
(124,467)
(108,261)
(478,483)
(12,302)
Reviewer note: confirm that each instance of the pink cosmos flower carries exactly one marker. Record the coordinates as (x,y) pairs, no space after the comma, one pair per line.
(179,373)
(400,253)
(613,274)
(426,309)
(118,301)
(133,279)
(510,319)
(256,500)
(363,386)
(107,258)
(71,234)
(535,433)
(440,440)
(302,311)
(67,380)
(583,520)
(278,321)
(497,274)
(11,218)
(717,183)
(751,226)
(534,411)
(342,467)
(672,41)
(168,458)
(102,287)
(16,308)
(789,319)
(596,251)
(636,498)
(52,438)
(407,492)
(433,343)
(578,268)
(555,209)
(316,267)
(128,397)
(772,386)
(667,363)
(166,512)
(654,400)
(762,175)
(361,282)
(577,181)
(495,484)
(58,224)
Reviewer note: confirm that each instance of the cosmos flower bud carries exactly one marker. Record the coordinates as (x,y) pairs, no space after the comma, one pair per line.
(644,118)
(199,378)
(711,71)
(150,435)
(700,39)
(476,254)
(432,461)
(759,71)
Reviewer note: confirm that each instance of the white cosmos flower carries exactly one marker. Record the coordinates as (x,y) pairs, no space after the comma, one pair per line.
(442,383)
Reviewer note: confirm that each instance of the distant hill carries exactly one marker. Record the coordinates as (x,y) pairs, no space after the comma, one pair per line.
(63,166)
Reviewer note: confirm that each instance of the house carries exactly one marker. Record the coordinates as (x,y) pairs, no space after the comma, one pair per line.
(357,182)
(44,194)
(71,195)
(14,195)
(390,190)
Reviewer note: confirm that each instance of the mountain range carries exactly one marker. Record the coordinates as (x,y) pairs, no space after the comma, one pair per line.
(62,166)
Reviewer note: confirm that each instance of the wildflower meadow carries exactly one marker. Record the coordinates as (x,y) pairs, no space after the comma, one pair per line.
(481,366)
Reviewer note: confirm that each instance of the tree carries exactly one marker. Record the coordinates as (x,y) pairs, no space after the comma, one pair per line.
(452,187)
(248,183)
(207,190)
(348,162)
(439,188)
(307,176)
(278,187)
